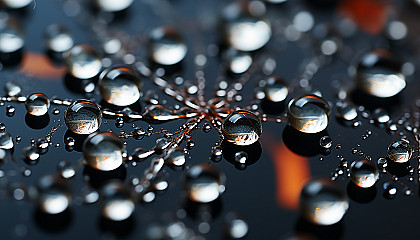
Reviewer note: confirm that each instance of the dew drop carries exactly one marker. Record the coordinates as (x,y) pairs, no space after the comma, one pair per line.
(242,127)
(113,5)
(31,153)
(308,114)
(66,170)
(166,46)
(83,117)
(37,104)
(103,151)
(120,85)
(364,173)
(379,74)
(323,202)
(10,111)
(204,183)
(245,28)
(83,62)
(399,151)
(58,38)
(11,35)
(275,89)
(325,142)
(53,195)
(6,140)
(176,157)
(117,202)
(346,110)
(12,89)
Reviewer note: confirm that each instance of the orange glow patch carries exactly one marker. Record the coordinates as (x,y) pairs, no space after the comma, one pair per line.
(369,15)
(292,171)
(38,65)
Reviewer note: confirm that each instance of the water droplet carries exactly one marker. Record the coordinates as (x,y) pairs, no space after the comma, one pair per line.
(389,190)
(120,85)
(31,153)
(103,151)
(364,173)
(53,195)
(380,115)
(235,227)
(119,122)
(10,111)
(138,133)
(238,62)
(83,117)
(323,202)
(113,5)
(55,111)
(242,127)
(83,62)
(346,110)
(166,46)
(6,140)
(216,154)
(379,74)
(11,35)
(58,38)
(241,157)
(16,4)
(206,127)
(325,142)
(308,114)
(399,151)
(275,89)
(2,127)
(12,88)
(204,183)
(117,202)
(37,104)
(69,141)
(66,170)
(245,30)
(176,157)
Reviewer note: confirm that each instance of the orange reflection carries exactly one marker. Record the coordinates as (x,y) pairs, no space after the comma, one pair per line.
(292,171)
(39,66)
(369,15)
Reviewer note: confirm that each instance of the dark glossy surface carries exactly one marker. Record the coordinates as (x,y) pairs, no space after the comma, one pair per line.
(260,193)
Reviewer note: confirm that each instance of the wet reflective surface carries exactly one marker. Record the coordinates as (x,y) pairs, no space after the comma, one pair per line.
(145,196)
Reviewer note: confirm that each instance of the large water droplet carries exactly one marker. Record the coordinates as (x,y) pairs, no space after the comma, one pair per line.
(53,195)
(204,183)
(12,89)
(16,4)
(58,38)
(113,5)
(83,62)
(11,36)
(6,140)
(364,173)
(166,46)
(275,89)
(37,104)
(176,157)
(120,85)
(245,28)
(379,74)
(308,114)
(323,202)
(103,151)
(346,110)
(238,62)
(242,127)
(399,151)
(117,202)
(83,117)
(235,227)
